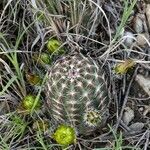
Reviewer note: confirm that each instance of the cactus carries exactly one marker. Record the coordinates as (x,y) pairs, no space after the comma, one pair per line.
(77,94)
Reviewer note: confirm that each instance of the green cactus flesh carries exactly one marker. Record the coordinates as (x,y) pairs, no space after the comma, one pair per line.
(77,93)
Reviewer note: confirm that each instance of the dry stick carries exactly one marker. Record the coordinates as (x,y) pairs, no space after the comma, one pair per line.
(125,127)
(125,99)
(79,146)
(141,138)
(147,140)
(103,139)
(88,147)
(139,99)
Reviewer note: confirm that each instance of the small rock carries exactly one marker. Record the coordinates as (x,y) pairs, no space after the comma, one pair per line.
(147,11)
(146,110)
(138,23)
(138,126)
(144,83)
(128,115)
(141,39)
(128,38)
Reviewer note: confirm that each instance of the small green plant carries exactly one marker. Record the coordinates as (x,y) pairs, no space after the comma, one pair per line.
(128,8)
(117,143)
(19,123)
(13,130)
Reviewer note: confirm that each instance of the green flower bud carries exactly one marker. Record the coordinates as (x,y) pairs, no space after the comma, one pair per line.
(41,125)
(45,58)
(33,79)
(42,59)
(65,135)
(54,45)
(29,101)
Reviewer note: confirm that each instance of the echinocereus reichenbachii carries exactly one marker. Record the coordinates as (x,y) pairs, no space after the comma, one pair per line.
(77,93)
